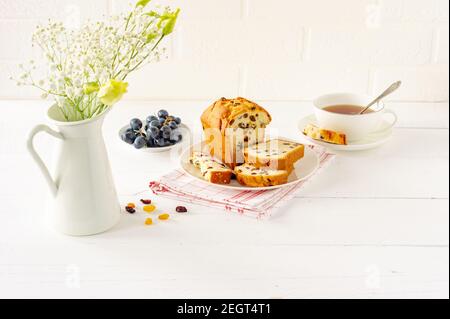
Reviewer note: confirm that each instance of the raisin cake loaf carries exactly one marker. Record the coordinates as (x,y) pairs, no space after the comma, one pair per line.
(249,175)
(230,125)
(277,154)
(211,170)
(325,135)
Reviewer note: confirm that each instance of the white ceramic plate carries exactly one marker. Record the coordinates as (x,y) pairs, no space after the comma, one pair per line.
(183,129)
(302,169)
(371,141)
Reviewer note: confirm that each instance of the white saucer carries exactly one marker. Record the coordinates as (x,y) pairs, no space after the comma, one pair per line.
(303,169)
(371,141)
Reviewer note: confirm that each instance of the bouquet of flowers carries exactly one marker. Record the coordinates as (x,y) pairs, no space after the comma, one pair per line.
(87,68)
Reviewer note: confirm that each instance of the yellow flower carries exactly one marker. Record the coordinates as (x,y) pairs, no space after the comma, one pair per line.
(170,24)
(90,87)
(142,3)
(112,92)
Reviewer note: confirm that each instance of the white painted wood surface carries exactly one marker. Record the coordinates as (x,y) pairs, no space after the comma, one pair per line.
(374,224)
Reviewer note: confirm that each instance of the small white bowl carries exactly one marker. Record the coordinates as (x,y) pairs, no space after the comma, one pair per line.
(185,132)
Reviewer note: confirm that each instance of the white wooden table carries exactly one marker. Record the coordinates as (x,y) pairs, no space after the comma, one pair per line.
(374,224)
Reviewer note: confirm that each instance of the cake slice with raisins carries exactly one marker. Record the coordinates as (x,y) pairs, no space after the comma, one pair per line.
(277,154)
(249,175)
(211,169)
(325,135)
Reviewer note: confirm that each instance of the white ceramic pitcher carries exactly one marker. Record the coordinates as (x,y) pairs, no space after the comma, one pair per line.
(84,197)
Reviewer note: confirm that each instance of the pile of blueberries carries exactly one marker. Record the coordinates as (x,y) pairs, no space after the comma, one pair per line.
(159,131)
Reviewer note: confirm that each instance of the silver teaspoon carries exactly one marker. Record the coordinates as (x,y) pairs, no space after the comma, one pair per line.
(394,87)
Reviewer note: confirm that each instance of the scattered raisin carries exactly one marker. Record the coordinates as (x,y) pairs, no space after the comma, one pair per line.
(146,201)
(245,115)
(130,210)
(181,209)
(252,118)
(164,216)
(149,208)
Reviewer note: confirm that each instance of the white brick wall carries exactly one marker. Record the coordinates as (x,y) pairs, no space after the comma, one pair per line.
(266,49)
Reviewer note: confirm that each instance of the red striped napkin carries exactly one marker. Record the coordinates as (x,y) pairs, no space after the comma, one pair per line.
(260,204)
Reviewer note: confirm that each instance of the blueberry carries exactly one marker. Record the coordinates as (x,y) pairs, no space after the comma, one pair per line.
(166,128)
(151,118)
(163,113)
(177,120)
(173,125)
(154,124)
(175,136)
(166,131)
(161,120)
(129,130)
(140,142)
(136,124)
(153,131)
(159,141)
(128,137)
(151,142)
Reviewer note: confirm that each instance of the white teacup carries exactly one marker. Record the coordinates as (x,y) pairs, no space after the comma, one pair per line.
(355,126)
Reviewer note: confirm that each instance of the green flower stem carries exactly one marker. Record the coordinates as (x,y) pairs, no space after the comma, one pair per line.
(47,91)
(143,59)
(118,47)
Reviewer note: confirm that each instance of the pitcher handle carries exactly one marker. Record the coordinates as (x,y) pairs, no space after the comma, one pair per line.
(48,178)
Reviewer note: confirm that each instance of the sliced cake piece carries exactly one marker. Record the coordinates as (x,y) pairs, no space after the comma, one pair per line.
(325,135)
(249,175)
(211,169)
(276,154)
